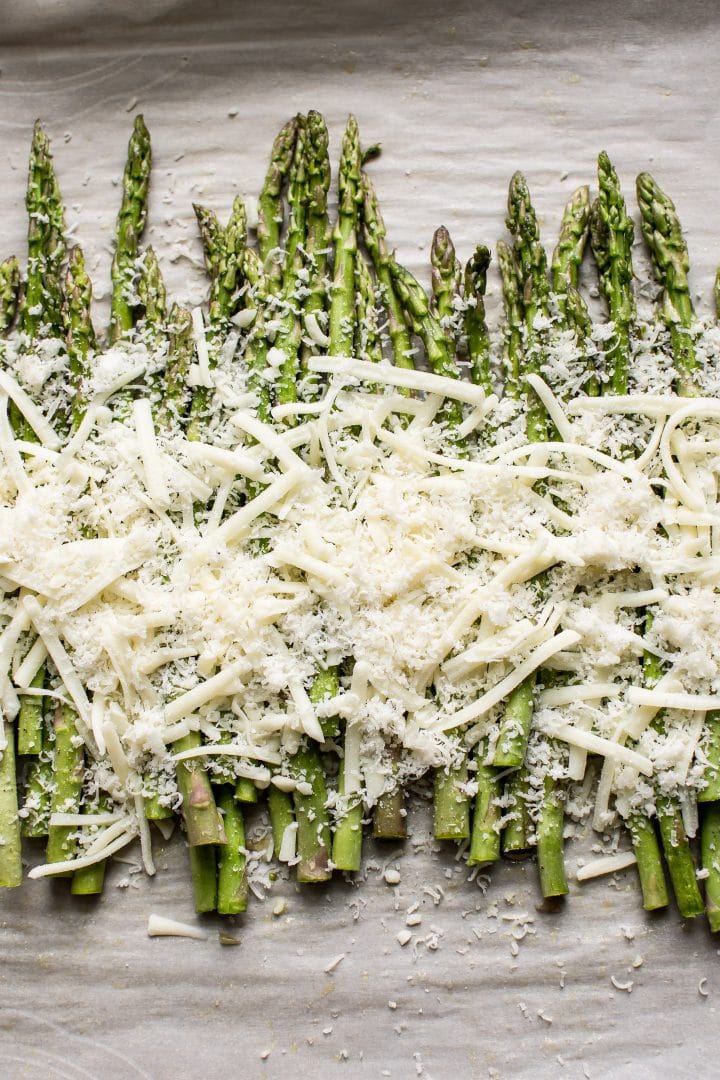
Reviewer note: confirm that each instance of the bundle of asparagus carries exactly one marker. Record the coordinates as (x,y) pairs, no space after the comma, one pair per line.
(290,556)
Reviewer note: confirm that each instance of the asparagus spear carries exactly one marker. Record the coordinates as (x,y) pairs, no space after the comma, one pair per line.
(128,231)
(611,236)
(446,280)
(317,240)
(368,344)
(531,264)
(40,311)
(661,229)
(270,209)
(256,347)
(289,333)
(570,248)
(374,235)
(10,851)
(345,244)
(9,292)
(153,298)
(512,301)
(79,332)
(662,232)
(211,236)
(478,338)
(175,399)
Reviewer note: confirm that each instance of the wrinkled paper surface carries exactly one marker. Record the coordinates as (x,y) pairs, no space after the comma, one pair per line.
(460,95)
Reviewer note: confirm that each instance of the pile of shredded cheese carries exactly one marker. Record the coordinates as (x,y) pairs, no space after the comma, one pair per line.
(172,586)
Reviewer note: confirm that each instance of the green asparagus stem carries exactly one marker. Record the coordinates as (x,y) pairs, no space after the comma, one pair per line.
(676,847)
(347,838)
(649,862)
(129,229)
(314,834)
(289,333)
(451,804)
(711,791)
(532,269)
(245,790)
(325,685)
(611,236)
(211,237)
(663,235)
(478,338)
(256,348)
(203,869)
(317,243)
(446,280)
(175,399)
(368,344)
(68,779)
(232,886)
(485,834)
(79,332)
(531,263)
(30,724)
(38,790)
(515,728)
(152,297)
(516,837)
(227,281)
(512,300)
(270,209)
(10,850)
(203,823)
(89,880)
(390,816)
(710,857)
(679,858)
(282,815)
(374,235)
(550,841)
(342,296)
(40,312)
(568,254)
(9,292)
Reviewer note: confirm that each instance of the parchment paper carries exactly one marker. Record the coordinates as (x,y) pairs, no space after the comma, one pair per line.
(460,95)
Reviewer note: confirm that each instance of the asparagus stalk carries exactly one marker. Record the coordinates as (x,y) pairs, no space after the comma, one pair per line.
(211,237)
(368,344)
(68,778)
(270,207)
(342,308)
(79,332)
(317,240)
(570,248)
(40,310)
(153,298)
(531,262)
(10,844)
(446,281)
(512,302)
(203,823)
(232,887)
(662,232)
(611,236)
(289,332)
(374,235)
(9,292)
(478,338)
(128,231)
(663,235)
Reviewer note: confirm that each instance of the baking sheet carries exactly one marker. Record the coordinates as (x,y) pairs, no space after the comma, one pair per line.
(460,95)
